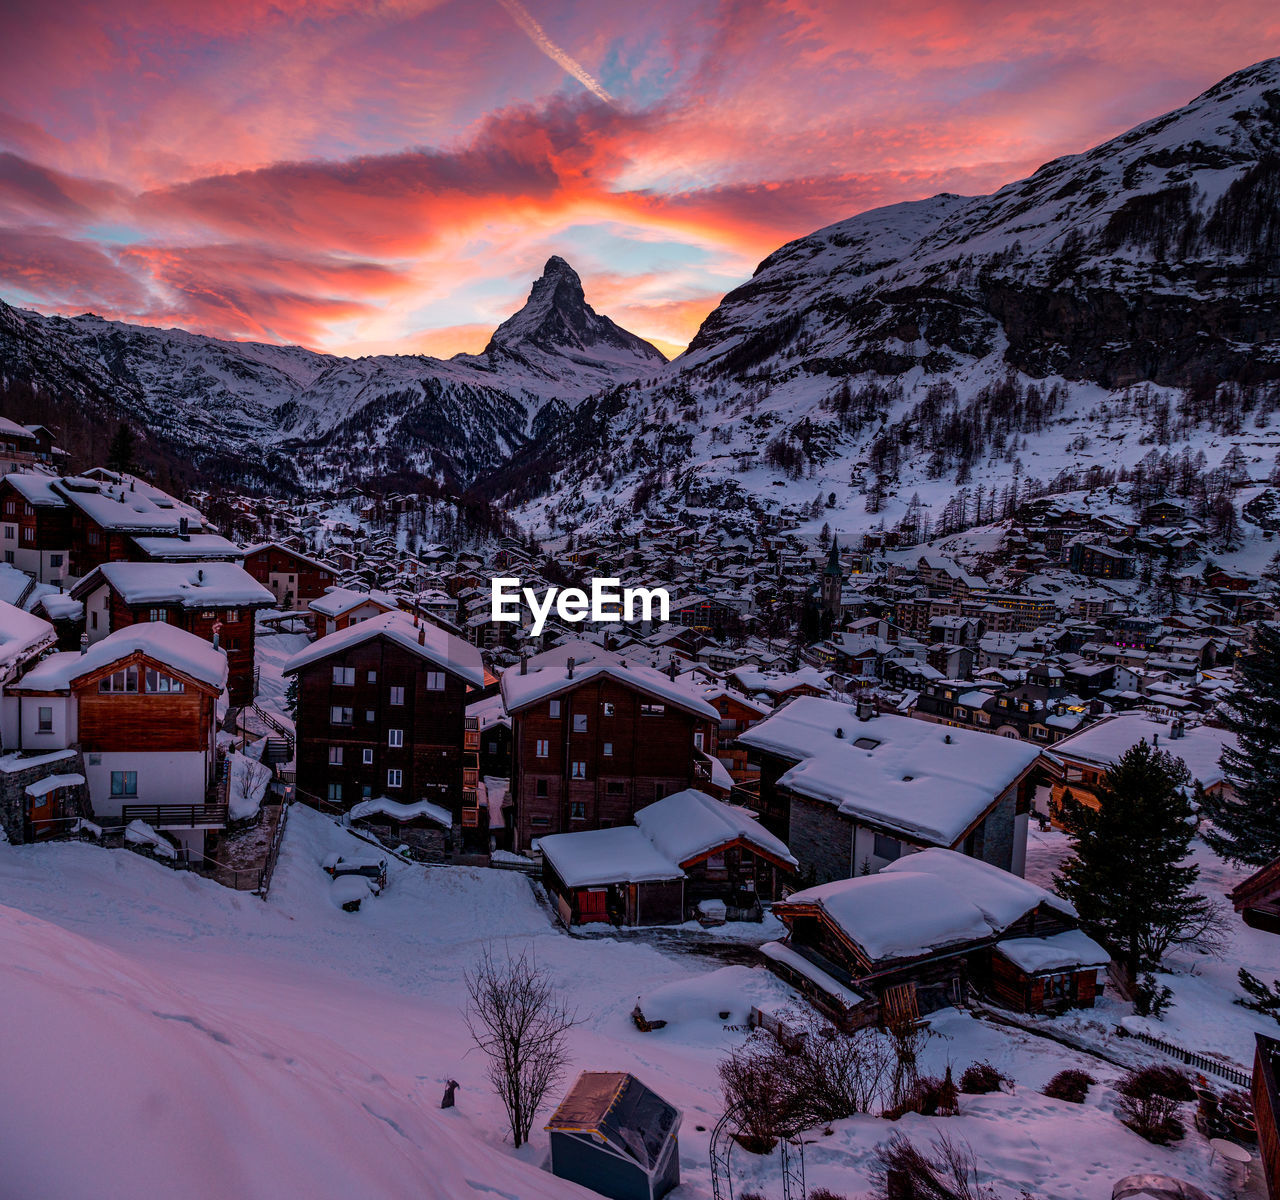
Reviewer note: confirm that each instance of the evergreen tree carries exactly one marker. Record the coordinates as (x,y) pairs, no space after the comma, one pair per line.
(1128,877)
(1246,824)
(120,452)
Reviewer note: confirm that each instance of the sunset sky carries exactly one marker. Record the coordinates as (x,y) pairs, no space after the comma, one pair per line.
(389,176)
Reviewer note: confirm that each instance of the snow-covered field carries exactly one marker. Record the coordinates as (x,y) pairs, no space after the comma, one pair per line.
(162,1036)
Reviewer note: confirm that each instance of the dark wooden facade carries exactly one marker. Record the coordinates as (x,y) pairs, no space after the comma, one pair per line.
(430,722)
(301,579)
(41,527)
(635,748)
(1266,1110)
(234,628)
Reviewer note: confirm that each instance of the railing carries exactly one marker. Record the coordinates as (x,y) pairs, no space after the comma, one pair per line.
(1202,1062)
(161,816)
(274,724)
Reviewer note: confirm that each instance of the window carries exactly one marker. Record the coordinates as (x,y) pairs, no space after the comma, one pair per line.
(55,560)
(698,739)
(92,537)
(157,616)
(1039,731)
(344,676)
(339,715)
(125,681)
(608,750)
(540,788)
(93,616)
(577,811)
(395,777)
(335,756)
(158,683)
(397,695)
(370,715)
(652,710)
(553,709)
(435,681)
(614,787)
(366,756)
(44,719)
(373,677)
(231,615)
(335,791)
(608,708)
(888,847)
(579,770)
(366,790)
(1057,987)
(543,749)
(540,822)
(579,722)
(124,783)
(395,737)
(493,748)
(209,614)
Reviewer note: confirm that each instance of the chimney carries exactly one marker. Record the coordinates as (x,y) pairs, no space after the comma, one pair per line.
(84,643)
(422,635)
(184,526)
(671,669)
(570,665)
(839,732)
(524,663)
(947,740)
(865,710)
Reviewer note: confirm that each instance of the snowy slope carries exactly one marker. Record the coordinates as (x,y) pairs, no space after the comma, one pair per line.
(337,418)
(905,342)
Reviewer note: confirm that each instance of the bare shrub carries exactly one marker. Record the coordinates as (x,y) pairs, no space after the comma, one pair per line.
(521,1022)
(821,1076)
(1070,1085)
(981,1078)
(1149,1101)
(904,1172)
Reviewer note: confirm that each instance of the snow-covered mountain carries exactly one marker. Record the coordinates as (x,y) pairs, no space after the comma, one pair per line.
(1116,301)
(335,417)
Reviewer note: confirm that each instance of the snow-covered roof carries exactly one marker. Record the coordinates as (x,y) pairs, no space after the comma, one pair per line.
(1072,950)
(689,824)
(596,857)
(383,805)
(896,915)
(36,489)
(51,783)
(929,781)
(203,585)
(543,681)
(424,639)
(1002,896)
(779,952)
(196,545)
(339,600)
(1104,743)
(164,644)
(128,504)
(22,634)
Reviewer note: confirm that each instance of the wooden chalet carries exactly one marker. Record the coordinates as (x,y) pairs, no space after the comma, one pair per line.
(35,527)
(1257,898)
(595,738)
(25,446)
(683,852)
(139,706)
(1266,1110)
(851,791)
(295,579)
(916,936)
(216,601)
(340,607)
(382,713)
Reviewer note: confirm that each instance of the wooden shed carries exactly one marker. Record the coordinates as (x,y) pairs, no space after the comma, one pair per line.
(617,1137)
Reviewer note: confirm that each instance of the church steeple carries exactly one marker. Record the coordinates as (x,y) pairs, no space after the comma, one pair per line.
(833,582)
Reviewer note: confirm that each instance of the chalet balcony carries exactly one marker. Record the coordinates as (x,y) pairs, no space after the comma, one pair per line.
(471,734)
(176,816)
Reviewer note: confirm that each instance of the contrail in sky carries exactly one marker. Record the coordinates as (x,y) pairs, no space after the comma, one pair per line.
(538,36)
